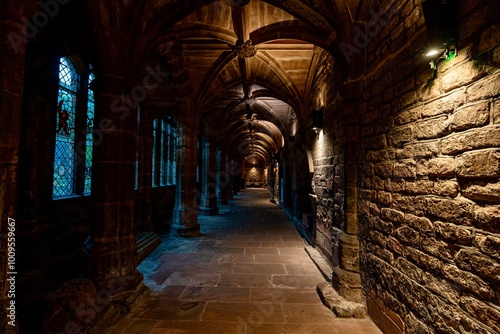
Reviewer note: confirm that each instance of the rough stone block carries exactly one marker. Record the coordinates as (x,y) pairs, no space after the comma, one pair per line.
(393,215)
(415,326)
(489,38)
(482,164)
(462,75)
(433,128)
(423,150)
(450,210)
(419,187)
(438,248)
(424,261)
(489,244)
(485,89)
(378,142)
(482,311)
(468,281)
(409,269)
(423,224)
(408,116)
(384,169)
(384,198)
(471,260)
(471,116)
(405,169)
(474,139)
(444,104)
(446,188)
(395,185)
(400,136)
(409,236)
(487,218)
(412,204)
(441,167)
(394,245)
(482,191)
(442,288)
(455,233)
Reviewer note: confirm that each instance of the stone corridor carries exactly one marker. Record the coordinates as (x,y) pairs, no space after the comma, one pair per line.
(248,273)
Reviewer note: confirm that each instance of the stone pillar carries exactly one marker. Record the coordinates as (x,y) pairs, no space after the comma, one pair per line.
(185,216)
(228,189)
(346,276)
(208,204)
(145,171)
(222,178)
(110,251)
(12,62)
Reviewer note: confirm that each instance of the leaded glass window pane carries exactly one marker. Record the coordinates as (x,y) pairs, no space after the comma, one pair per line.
(64,158)
(153,171)
(89,137)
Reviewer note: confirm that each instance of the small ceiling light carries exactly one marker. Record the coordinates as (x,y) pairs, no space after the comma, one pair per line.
(431,53)
(441,22)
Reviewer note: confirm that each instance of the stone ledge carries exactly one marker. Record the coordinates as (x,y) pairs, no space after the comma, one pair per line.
(146,243)
(340,307)
(320,262)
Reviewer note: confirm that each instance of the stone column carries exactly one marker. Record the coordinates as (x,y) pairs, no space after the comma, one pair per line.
(110,251)
(222,178)
(346,276)
(185,216)
(12,62)
(145,171)
(208,204)
(228,189)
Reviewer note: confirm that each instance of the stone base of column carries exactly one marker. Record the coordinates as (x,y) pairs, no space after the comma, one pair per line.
(185,223)
(104,303)
(348,284)
(183,231)
(206,211)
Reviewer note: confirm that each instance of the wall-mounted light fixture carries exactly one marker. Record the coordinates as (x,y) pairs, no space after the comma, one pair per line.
(441,22)
(317,119)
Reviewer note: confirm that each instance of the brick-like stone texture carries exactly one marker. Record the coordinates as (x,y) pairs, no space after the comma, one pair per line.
(430,214)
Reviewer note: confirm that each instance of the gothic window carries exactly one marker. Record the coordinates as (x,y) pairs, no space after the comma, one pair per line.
(164,152)
(73,138)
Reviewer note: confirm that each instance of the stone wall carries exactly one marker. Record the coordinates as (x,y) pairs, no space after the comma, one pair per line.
(328,160)
(429,169)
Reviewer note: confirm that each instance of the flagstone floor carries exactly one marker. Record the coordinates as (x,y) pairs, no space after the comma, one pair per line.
(247,274)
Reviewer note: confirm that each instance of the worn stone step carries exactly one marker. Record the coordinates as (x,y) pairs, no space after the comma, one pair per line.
(324,267)
(341,307)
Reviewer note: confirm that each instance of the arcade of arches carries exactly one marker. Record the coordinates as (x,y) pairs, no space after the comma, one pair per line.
(123,121)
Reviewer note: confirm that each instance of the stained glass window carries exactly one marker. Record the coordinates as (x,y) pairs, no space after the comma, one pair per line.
(64,158)
(89,136)
(163,158)
(74,132)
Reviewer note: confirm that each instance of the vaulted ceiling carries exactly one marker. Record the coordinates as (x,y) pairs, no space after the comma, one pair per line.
(245,67)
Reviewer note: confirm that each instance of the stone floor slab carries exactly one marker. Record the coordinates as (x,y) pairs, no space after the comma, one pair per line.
(205,327)
(160,309)
(225,294)
(246,280)
(193,279)
(259,268)
(275,295)
(243,312)
(307,313)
